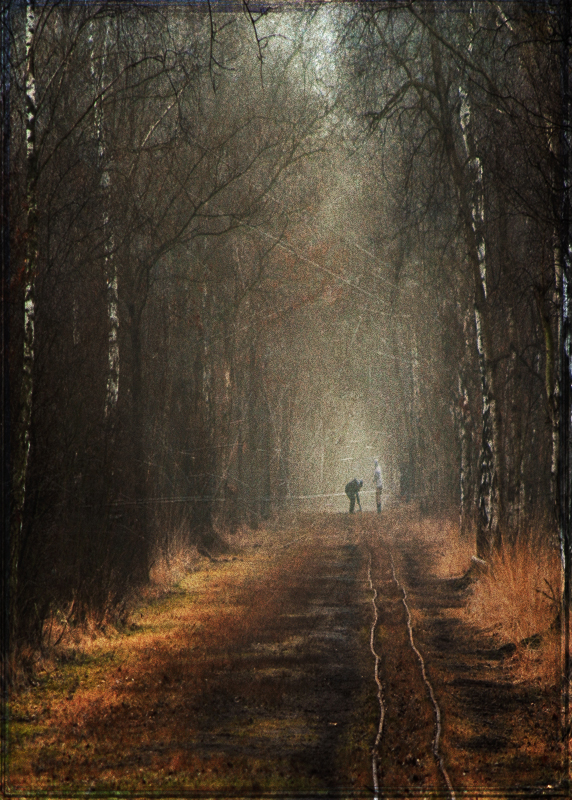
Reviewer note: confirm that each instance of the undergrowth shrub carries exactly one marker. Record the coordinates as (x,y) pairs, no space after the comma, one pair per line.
(519,595)
(169,564)
(518,600)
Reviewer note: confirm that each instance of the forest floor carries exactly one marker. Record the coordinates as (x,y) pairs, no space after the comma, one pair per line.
(256,676)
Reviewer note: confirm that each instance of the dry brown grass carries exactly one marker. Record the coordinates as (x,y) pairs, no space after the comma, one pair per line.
(452,552)
(170,566)
(121,715)
(518,596)
(63,638)
(448,553)
(517,600)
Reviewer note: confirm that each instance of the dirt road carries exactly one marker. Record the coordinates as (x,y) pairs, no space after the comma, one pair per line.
(323,658)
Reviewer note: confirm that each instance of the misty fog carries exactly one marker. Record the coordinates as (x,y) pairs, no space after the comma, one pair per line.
(252,249)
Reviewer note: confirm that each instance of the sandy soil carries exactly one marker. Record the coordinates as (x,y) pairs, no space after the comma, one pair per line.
(257,677)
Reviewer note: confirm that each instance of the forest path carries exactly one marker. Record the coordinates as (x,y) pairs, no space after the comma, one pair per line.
(257,677)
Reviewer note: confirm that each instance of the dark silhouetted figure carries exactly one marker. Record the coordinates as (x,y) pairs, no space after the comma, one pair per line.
(352,491)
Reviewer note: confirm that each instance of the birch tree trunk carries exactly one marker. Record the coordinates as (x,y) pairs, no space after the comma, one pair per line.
(488,533)
(565,363)
(416,447)
(467,177)
(24,424)
(5,75)
(113,365)
(465,477)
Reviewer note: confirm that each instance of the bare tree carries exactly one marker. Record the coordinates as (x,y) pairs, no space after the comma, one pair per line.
(431,78)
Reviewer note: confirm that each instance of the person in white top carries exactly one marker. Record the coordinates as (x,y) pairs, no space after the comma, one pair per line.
(378,485)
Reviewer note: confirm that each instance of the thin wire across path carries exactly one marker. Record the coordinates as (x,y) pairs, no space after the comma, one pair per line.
(437,710)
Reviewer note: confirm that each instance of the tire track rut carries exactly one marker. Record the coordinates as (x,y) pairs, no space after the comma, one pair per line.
(436,740)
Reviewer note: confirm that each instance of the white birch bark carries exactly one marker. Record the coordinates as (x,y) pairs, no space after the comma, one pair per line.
(555,404)
(489,495)
(564,471)
(23,435)
(112,395)
(420,473)
(475,168)
(468,177)
(110,270)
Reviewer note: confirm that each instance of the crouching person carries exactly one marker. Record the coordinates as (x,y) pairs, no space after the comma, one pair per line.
(352,491)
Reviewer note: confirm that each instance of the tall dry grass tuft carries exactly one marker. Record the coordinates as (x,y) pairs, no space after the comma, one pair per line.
(169,566)
(519,596)
(453,551)
(517,601)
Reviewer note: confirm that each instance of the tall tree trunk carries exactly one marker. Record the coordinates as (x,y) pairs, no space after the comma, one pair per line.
(5,75)
(24,424)
(488,506)
(110,270)
(140,523)
(283,478)
(112,394)
(468,183)
(488,532)
(265,438)
(203,445)
(551,378)
(565,361)
(251,441)
(514,447)
(416,445)
(100,51)
(257,434)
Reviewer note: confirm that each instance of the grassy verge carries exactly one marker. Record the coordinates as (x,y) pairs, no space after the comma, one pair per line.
(516,600)
(60,714)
